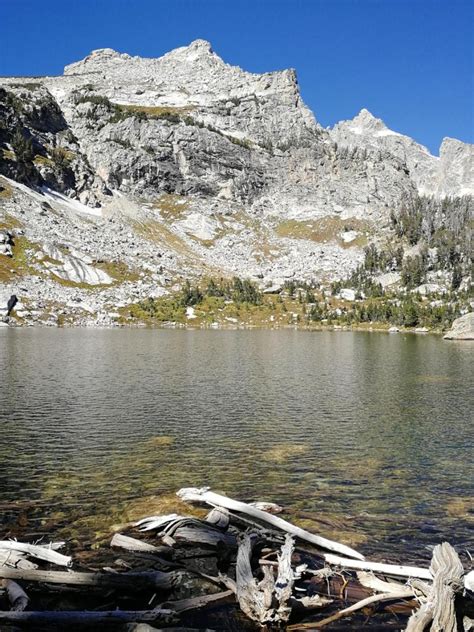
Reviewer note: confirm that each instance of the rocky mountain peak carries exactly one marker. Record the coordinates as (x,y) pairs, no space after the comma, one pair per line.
(201,45)
(184,162)
(95,61)
(365,121)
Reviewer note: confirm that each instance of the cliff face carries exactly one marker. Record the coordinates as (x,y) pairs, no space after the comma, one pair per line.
(185,165)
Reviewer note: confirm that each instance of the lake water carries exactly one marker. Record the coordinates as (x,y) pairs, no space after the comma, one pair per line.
(365,437)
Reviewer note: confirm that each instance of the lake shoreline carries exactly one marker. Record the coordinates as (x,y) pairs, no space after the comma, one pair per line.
(228,327)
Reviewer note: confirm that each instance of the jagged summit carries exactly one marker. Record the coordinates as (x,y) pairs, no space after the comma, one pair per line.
(201,45)
(367,120)
(194,76)
(95,60)
(365,123)
(107,59)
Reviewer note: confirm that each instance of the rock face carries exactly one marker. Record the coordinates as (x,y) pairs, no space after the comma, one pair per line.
(452,174)
(180,165)
(462,329)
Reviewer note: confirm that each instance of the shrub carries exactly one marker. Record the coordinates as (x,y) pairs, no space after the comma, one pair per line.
(23,147)
(61,157)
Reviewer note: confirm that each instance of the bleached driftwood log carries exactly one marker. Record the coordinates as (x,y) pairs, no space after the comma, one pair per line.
(272,508)
(369,580)
(40,552)
(377,567)
(448,581)
(129,581)
(204,495)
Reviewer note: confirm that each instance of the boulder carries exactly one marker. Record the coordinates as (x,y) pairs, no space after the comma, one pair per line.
(348,294)
(6,243)
(462,328)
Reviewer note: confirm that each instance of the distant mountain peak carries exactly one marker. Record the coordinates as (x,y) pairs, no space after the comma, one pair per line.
(201,44)
(368,121)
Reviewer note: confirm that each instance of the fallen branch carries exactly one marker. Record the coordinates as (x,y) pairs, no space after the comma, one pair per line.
(194,494)
(390,596)
(386,569)
(40,552)
(129,581)
(369,580)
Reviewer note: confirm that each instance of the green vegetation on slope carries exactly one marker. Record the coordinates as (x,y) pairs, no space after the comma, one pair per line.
(237,302)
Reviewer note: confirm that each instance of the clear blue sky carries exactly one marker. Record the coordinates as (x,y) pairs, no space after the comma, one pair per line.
(410,62)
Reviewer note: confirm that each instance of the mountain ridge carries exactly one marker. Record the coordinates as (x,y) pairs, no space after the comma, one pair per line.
(208,168)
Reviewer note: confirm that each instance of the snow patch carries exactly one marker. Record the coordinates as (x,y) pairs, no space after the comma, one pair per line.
(73,205)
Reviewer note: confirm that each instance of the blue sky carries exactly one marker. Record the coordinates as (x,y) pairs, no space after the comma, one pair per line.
(410,62)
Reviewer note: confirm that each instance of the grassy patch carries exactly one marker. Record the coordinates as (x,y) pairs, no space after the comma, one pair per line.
(324,230)
(160,311)
(145,112)
(158,111)
(27,86)
(19,265)
(6,191)
(8,222)
(80,285)
(171,206)
(158,233)
(118,270)
(43,161)
(7,154)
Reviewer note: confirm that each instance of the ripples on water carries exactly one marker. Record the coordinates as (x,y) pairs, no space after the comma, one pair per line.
(369,433)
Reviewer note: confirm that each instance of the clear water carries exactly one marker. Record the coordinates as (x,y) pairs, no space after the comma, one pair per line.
(363,437)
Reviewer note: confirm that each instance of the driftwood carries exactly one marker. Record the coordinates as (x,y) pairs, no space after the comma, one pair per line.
(70,617)
(40,552)
(128,581)
(194,603)
(275,583)
(448,582)
(219,517)
(469,581)
(369,580)
(390,596)
(386,569)
(17,597)
(155,522)
(192,530)
(346,587)
(267,601)
(132,544)
(194,494)
(14,559)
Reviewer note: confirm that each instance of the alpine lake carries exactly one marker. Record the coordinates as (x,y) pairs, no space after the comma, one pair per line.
(366,438)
